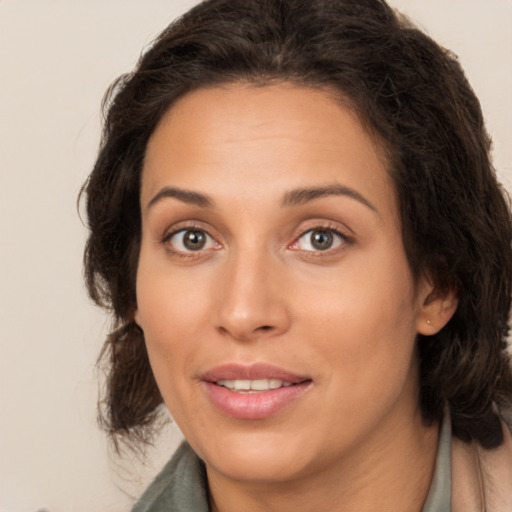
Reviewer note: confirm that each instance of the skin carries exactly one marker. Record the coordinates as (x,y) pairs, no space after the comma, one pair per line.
(260,292)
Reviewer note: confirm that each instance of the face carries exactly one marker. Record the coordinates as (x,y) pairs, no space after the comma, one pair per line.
(277,303)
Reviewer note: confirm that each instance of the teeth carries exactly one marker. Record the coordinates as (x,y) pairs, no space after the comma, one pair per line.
(253,385)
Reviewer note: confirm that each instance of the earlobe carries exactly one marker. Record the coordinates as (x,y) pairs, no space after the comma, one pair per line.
(436,311)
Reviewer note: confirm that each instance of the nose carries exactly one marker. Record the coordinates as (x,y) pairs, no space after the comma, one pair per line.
(252,299)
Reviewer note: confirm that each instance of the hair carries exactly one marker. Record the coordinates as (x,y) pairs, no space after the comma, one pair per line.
(412,95)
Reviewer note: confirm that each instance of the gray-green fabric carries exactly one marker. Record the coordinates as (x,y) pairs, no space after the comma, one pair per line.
(440,495)
(181,485)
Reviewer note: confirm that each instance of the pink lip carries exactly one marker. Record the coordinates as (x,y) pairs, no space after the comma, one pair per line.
(235,371)
(258,405)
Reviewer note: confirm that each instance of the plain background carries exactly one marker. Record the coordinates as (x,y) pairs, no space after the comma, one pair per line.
(56,59)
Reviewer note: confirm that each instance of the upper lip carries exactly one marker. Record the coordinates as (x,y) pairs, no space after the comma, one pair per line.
(235,371)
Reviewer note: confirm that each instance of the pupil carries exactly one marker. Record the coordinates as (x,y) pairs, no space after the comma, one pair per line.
(194,240)
(321,240)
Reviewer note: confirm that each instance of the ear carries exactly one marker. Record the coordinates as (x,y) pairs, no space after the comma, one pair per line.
(436,309)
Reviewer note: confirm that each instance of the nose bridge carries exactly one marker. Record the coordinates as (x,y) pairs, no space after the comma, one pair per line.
(251,303)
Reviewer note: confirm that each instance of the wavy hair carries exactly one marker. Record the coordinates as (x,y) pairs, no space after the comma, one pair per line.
(412,95)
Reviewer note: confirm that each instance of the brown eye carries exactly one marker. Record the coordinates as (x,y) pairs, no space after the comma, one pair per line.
(321,240)
(190,240)
(194,240)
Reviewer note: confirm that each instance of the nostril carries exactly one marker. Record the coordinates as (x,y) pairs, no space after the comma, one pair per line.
(246,333)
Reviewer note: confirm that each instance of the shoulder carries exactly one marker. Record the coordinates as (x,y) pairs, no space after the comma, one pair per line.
(482,479)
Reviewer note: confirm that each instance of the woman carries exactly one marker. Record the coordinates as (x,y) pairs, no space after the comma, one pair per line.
(296,224)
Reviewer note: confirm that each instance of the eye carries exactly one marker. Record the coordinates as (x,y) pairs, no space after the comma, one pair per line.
(319,240)
(190,240)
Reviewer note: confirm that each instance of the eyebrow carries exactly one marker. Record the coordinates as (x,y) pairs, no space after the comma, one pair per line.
(305,195)
(292,198)
(186,196)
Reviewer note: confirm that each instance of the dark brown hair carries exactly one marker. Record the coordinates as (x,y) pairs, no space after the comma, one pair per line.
(413,95)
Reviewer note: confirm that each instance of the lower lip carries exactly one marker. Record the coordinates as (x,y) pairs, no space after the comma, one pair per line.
(257,405)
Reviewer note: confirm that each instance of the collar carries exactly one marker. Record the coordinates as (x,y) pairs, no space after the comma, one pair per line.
(180,487)
(439,495)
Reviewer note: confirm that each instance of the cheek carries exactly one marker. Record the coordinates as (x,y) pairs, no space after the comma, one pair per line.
(363,333)
(166,298)
(365,323)
(171,312)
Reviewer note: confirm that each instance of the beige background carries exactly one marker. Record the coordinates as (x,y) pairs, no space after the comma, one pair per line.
(56,59)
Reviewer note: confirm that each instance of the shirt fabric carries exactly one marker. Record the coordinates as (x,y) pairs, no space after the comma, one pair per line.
(181,486)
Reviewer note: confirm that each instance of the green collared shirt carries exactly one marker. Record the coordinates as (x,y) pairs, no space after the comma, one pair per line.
(181,485)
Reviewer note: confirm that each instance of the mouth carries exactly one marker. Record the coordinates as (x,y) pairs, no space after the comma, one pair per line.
(253,392)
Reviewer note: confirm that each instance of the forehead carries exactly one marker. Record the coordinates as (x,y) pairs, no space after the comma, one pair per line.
(262,139)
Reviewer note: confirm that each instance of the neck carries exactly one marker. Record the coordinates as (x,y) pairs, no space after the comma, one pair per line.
(392,472)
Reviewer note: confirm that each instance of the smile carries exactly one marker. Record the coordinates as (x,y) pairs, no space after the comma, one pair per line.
(253,392)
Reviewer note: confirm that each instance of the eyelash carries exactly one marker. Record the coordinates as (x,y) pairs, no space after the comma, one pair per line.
(343,241)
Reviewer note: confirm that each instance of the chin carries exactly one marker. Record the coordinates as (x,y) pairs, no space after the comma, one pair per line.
(263,457)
